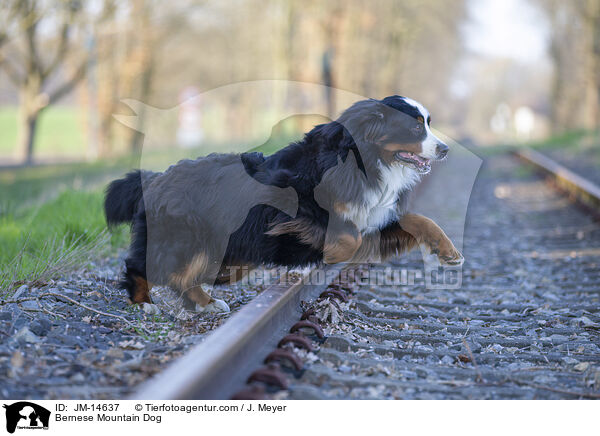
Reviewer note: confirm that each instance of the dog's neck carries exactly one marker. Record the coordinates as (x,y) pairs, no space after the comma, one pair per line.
(396,179)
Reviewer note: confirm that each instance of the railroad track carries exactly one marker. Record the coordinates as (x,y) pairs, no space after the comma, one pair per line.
(523,322)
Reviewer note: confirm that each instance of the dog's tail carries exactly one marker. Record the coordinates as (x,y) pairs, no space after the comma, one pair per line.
(125,196)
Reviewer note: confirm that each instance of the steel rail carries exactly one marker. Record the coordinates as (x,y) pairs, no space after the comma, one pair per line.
(216,368)
(582,189)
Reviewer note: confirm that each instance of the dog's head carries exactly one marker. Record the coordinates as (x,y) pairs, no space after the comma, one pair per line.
(396,130)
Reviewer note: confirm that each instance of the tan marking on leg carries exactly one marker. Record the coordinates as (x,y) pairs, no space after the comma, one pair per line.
(427,232)
(141,291)
(188,275)
(341,249)
(198,295)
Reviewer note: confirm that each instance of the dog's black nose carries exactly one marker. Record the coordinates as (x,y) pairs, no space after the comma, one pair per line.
(441,150)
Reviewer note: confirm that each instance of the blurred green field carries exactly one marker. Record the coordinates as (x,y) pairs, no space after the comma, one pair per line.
(61,132)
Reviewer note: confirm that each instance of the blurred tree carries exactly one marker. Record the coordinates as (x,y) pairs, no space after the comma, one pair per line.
(130,43)
(575,54)
(37,42)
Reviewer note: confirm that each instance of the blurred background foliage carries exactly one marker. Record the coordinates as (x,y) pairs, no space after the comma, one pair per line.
(490,71)
(480,66)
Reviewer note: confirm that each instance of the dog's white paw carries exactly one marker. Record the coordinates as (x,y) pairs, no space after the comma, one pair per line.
(215,306)
(150,309)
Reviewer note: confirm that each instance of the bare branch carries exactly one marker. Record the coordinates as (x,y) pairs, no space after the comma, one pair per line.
(11,71)
(33,59)
(60,52)
(68,86)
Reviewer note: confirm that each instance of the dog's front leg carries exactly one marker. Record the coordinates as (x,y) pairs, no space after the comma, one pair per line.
(342,241)
(431,239)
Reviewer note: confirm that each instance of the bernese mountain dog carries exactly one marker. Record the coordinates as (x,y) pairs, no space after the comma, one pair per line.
(338,195)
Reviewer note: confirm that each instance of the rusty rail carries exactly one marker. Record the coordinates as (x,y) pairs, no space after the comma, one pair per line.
(216,368)
(581,189)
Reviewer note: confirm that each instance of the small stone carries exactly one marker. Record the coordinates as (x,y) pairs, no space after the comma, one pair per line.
(570,360)
(423,373)
(30,304)
(19,292)
(586,322)
(344,369)
(581,367)
(25,335)
(39,328)
(558,338)
(447,360)
(193,339)
(115,353)
(17,360)
(78,378)
(131,345)
(151,309)
(68,340)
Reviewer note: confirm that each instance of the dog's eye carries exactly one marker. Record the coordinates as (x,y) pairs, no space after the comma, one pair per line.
(418,129)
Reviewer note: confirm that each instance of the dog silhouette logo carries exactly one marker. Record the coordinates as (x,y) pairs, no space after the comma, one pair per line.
(26,415)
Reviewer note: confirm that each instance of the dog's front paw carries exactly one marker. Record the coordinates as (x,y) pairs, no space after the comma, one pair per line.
(445,254)
(454,259)
(215,306)
(449,255)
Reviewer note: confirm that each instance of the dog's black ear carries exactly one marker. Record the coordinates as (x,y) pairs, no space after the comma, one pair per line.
(333,132)
(373,126)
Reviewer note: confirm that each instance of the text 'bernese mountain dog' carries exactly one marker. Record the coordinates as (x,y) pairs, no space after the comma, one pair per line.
(338,195)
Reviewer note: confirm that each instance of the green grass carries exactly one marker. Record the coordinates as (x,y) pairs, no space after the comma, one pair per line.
(51,220)
(570,140)
(55,237)
(567,139)
(61,132)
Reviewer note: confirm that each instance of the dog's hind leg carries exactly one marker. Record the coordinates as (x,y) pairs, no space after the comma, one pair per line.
(187,283)
(135,279)
(201,301)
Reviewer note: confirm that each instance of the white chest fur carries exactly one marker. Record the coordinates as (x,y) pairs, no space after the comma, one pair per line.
(377,208)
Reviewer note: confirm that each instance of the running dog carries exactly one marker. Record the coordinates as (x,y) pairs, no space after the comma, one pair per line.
(338,195)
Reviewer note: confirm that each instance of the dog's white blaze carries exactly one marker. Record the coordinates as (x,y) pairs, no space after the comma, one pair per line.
(431,141)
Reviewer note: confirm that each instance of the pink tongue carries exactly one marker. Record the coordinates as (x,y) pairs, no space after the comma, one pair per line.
(420,160)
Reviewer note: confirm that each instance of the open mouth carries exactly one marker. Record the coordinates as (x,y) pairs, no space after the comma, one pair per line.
(421,164)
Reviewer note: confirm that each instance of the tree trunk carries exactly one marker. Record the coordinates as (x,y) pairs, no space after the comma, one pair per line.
(137,139)
(29,137)
(31,103)
(27,133)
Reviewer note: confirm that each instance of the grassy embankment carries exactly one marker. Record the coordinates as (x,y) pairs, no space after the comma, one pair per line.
(51,218)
